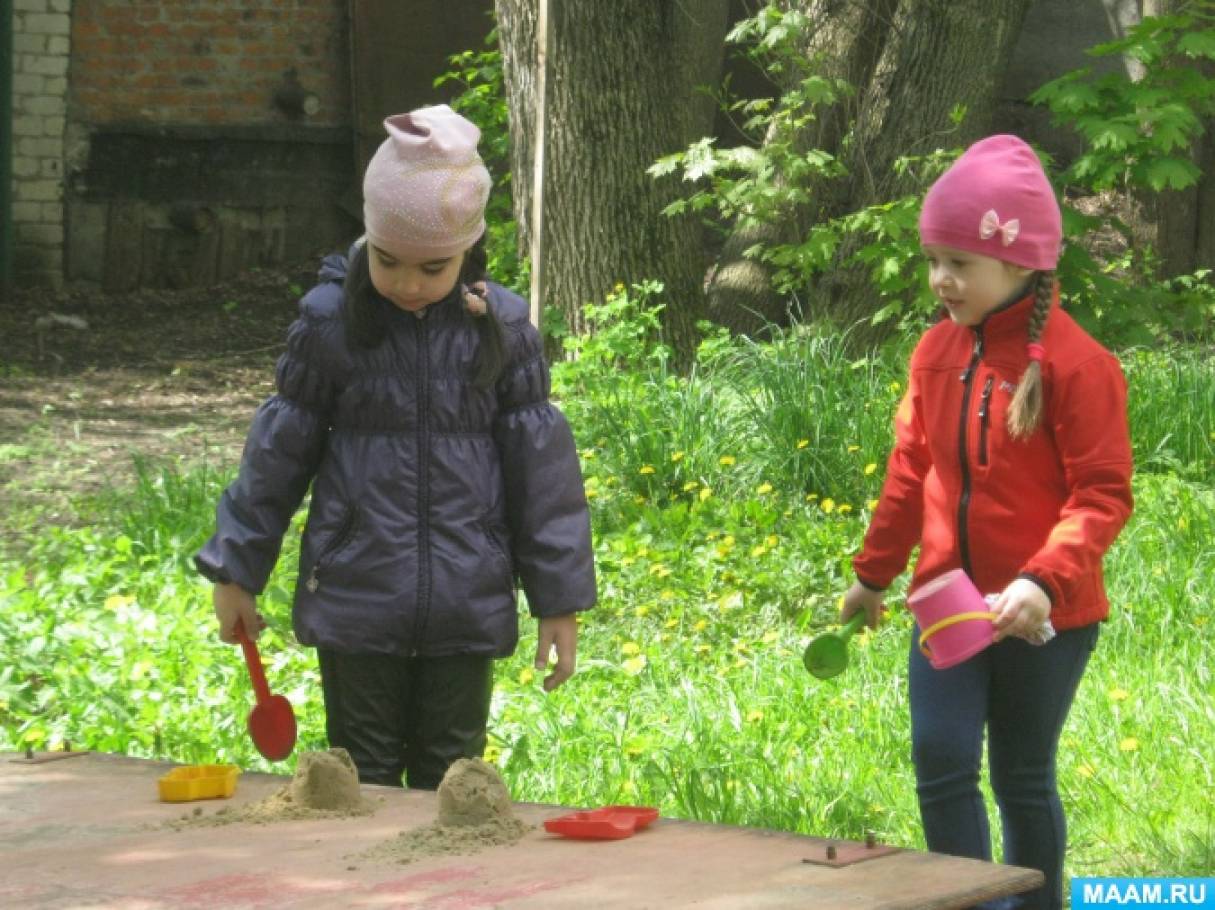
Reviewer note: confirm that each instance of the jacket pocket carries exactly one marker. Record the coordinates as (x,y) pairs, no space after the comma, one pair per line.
(498,550)
(338,541)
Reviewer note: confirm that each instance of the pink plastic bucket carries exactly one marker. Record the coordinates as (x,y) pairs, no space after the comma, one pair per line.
(954,620)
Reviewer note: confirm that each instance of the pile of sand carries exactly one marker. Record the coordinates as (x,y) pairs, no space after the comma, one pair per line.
(474,813)
(325,785)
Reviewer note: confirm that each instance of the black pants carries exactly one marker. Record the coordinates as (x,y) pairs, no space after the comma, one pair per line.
(1020,695)
(406,715)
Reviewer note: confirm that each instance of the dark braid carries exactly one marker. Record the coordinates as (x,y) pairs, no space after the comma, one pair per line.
(1025,412)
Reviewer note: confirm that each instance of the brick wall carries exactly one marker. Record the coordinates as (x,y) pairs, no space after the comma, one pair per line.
(41,31)
(215,62)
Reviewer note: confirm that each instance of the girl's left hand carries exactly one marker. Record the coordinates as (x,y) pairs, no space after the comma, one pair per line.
(560,633)
(1022,607)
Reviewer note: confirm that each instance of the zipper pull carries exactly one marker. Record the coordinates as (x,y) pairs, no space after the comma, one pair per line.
(313,582)
(986,399)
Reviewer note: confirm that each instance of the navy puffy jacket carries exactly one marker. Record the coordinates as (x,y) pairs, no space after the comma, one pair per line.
(430,497)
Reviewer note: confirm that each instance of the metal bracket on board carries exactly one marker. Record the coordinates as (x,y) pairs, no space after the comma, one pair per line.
(848,853)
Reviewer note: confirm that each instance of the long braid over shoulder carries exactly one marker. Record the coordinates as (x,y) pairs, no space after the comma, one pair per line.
(1025,412)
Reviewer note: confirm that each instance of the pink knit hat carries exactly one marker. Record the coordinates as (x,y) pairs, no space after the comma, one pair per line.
(425,189)
(996,201)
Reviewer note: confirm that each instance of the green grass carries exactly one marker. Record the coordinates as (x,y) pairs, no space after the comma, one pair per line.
(723,543)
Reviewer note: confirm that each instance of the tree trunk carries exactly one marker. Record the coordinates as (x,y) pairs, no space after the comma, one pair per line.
(846,44)
(622,93)
(1181,223)
(914,61)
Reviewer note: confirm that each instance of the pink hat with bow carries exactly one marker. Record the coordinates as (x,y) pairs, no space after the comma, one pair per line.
(425,189)
(995,200)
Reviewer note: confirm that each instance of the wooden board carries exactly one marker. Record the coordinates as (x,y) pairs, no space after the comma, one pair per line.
(91,832)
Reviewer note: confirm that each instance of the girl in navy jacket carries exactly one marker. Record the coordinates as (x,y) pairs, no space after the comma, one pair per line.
(413,399)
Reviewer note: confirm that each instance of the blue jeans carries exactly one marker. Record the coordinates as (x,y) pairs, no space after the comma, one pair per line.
(1021,694)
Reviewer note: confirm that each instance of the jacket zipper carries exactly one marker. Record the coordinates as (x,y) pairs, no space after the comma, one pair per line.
(336,544)
(984,418)
(964,500)
(422,338)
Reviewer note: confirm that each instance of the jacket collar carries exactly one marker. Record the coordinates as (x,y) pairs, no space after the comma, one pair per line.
(1012,317)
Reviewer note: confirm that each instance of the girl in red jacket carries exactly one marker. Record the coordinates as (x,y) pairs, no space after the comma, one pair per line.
(1012,462)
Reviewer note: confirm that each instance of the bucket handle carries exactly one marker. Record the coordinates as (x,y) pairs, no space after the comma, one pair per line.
(946,623)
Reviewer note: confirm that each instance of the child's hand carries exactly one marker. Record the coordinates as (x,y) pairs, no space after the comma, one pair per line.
(560,632)
(861,598)
(1023,607)
(232,603)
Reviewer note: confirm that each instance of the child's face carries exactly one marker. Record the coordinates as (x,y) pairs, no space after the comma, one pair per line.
(412,284)
(971,285)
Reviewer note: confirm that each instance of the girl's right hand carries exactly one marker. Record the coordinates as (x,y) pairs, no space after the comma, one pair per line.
(859,598)
(233,603)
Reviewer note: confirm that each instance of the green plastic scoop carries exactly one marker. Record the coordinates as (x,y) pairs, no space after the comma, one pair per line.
(827,654)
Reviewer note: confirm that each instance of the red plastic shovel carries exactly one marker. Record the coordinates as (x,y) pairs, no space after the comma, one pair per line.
(271,722)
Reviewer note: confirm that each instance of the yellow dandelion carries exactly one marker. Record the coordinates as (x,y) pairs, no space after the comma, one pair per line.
(670,623)
(626,561)
(617,287)
(639,500)
(1182,523)
(758,551)
(1130,744)
(630,649)
(870,468)
(771,540)
(701,649)
(700,625)
(705,493)
(690,486)
(726,461)
(844,507)
(872,504)
(802,443)
(118,601)
(666,594)
(677,456)
(526,675)
(827,505)
(764,489)
(1085,770)
(896,386)
(728,540)
(492,753)
(854,448)
(634,665)
(591,493)
(810,497)
(646,469)
(754,717)
(642,611)
(1117,694)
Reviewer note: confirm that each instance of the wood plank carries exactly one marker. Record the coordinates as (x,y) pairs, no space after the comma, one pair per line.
(92,831)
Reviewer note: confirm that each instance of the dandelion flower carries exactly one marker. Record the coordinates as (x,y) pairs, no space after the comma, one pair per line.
(854,448)
(758,550)
(1130,744)
(690,486)
(810,497)
(670,623)
(802,443)
(526,675)
(634,665)
(896,386)
(630,648)
(764,489)
(754,717)
(1117,694)
(118,601)
(771,540)
(870,468)
(642,611)
(827,505)
(844,507)
(646,469)
(872,504)
(705,493)
(701,625)
(726,461)
(1085,770)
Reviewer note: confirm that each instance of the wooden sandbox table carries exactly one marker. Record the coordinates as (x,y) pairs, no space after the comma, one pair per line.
(90,831)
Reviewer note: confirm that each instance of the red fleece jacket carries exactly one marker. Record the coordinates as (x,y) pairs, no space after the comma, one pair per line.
(1046,507)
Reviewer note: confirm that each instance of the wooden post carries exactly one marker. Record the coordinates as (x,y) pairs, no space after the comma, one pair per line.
(537,232)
